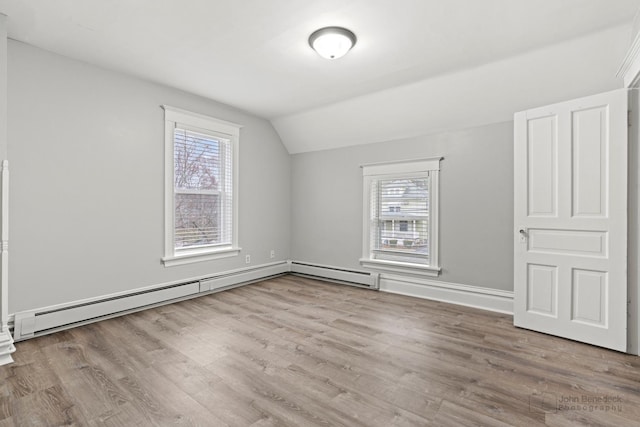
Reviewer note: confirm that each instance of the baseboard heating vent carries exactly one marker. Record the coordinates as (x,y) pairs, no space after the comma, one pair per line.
(29,324)
(340,275)
(243,276)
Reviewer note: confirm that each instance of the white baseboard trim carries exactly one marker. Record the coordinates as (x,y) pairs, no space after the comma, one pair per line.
(45,320)
(455,293)
(470,296)
(6,348)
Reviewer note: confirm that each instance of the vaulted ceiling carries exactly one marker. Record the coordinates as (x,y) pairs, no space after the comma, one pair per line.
(419,66)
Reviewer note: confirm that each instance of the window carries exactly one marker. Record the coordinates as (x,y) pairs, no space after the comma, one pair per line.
(200,187)
(401,216)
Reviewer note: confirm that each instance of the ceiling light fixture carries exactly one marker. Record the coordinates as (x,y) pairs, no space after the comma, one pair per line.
(332,42)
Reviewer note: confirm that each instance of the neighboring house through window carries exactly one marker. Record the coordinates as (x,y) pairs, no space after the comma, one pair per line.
(200,187)
(401,216)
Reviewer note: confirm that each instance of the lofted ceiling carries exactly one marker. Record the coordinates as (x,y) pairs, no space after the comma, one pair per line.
(415,63)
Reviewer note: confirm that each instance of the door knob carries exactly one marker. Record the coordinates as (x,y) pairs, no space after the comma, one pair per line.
(523,235)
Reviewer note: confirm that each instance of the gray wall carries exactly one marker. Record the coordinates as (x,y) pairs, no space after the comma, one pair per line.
(3,87)
(476,202)
(86,151)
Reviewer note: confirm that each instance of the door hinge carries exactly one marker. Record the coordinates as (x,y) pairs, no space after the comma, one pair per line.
(629,118)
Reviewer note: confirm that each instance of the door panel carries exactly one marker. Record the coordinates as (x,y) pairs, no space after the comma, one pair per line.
(542,290)
(589,291)
(589,149)
(570,241)
(542,166)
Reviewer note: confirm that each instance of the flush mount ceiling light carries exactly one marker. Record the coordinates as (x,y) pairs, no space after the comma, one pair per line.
(332,42)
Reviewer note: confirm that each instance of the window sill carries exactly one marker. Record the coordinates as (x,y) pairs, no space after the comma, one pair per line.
(189,257)
(400,267)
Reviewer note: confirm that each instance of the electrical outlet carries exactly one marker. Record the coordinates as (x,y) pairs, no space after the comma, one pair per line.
(273,253)
(247,259)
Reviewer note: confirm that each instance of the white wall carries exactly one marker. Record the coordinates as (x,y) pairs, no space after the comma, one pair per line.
(476,202)
(86,148)
(489,93)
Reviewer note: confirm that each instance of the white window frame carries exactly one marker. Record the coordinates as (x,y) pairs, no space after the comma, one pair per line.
(394,170)
(176,117)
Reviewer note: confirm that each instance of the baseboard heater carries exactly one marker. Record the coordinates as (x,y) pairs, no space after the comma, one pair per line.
(349,277)
(30,324)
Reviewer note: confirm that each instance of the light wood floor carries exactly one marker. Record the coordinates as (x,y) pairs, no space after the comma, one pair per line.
(299,352)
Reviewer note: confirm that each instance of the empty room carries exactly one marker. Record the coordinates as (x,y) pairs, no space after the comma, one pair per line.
(319,213)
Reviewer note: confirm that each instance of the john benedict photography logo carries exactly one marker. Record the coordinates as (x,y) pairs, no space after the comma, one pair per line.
(550,403)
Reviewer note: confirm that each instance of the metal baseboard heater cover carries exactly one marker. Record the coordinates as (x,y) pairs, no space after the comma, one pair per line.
(350,277)
(29,324)
(41,322)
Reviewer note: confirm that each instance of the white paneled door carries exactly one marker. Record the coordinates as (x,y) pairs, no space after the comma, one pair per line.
(570,234)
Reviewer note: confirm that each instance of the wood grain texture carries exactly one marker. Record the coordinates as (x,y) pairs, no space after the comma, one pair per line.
(294,351)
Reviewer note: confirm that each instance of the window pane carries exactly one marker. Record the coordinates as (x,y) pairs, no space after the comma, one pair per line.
(203,189)
(404,197)
(197,220)
(394,237)
(402,219)
(197,160)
